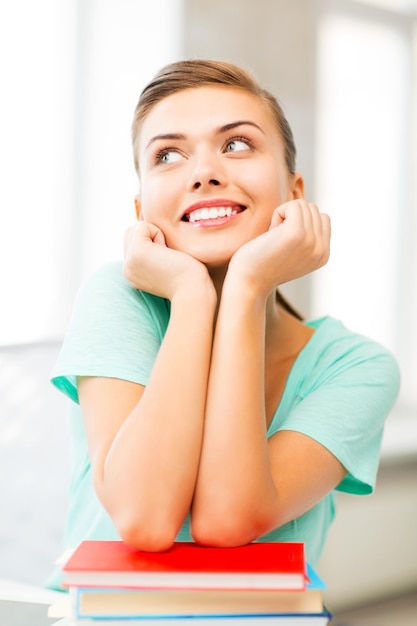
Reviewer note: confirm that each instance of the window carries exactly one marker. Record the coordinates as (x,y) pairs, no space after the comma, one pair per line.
(365,143)
(73,75)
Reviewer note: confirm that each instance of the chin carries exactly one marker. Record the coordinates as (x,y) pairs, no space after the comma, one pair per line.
(215,260)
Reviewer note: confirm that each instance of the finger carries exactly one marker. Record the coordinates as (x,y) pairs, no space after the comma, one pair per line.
(159,237)
(277,218)
(291,211)
(307,217)
(143,231)
(321,225)
(150,232)
(327,232)
(316,220)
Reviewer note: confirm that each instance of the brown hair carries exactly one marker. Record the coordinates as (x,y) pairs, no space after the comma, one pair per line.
(195,73)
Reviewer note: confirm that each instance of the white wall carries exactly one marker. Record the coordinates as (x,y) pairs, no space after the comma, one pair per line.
(277,40)
(371,551)
(372,546)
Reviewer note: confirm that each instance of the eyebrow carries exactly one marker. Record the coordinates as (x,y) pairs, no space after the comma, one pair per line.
(232,125)
(218,131)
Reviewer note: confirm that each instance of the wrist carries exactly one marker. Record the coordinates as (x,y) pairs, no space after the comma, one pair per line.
(244,288)
(198,289)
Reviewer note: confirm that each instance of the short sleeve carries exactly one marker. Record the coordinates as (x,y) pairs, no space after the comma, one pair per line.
(346,405)
(115,332)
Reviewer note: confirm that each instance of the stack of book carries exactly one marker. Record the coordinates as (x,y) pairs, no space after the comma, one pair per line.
(112,584)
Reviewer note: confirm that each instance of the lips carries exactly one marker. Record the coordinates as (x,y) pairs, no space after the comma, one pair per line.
(212,210)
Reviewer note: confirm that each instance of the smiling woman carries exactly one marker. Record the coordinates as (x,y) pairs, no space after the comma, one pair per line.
(236,146)
(197,390)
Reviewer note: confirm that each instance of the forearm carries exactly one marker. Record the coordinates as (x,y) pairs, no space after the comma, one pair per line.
(149,471)
(235,499)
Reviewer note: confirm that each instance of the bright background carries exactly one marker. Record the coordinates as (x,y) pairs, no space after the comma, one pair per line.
(71,73)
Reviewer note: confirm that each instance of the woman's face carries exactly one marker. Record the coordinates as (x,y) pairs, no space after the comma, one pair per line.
(212,171)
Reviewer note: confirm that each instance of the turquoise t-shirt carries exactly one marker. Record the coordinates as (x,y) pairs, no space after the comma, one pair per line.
(339,392)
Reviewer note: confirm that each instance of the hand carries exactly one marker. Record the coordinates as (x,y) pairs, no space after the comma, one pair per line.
(297,243)
(151,266)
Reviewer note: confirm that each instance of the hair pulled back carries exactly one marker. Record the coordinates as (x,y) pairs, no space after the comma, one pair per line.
(190,74)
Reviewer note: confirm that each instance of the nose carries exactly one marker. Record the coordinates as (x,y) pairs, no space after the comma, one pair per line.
(213,181)
(207,172)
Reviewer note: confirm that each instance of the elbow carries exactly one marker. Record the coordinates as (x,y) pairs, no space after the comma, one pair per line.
(221,536)
(227,532)
(146,535)
(138,526)
(233,524)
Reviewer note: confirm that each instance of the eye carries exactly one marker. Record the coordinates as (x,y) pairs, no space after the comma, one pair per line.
(168,156)
(238,144)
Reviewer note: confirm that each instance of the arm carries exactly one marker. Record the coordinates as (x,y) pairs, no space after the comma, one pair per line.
(144,443)
(246,484)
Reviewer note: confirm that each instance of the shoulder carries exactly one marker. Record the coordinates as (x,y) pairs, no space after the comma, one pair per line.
(344,386)
(107,279)
(331,332)
(115,331)
(342,366)
(335,349)
(106,289)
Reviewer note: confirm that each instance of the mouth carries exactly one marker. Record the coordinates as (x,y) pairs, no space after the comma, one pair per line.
(208,212)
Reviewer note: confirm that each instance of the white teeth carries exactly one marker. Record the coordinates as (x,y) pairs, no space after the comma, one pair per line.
(211,214)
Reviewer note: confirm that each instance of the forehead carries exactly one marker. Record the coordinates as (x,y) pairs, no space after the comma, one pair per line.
(204,108)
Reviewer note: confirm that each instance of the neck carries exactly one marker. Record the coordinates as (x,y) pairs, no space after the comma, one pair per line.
(285,335)
(218,275)
(276,324)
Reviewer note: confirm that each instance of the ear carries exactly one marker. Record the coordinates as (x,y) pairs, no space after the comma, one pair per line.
(296,186)
(138,208)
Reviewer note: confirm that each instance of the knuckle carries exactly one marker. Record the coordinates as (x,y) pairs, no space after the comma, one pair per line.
(130,265)
(127,270)
(299,238)
(322,256)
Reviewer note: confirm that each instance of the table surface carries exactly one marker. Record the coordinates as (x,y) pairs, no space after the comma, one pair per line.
(25,605)
(18,613)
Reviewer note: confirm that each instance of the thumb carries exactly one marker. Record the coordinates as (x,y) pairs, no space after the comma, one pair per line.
(278,217)
(156,235)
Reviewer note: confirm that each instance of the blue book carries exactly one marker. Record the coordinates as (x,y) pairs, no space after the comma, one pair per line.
(321,619)
(190,607)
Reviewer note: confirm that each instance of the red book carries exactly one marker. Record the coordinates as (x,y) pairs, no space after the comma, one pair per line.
(187,566)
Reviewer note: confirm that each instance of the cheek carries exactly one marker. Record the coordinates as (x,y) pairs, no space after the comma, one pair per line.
(153,198)
(266,185)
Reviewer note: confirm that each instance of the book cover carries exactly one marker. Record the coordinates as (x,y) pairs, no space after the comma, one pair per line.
(187,566)
(318,619)
(114,604)
(120,603)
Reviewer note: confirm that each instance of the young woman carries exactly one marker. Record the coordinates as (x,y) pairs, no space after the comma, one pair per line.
(204,407)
